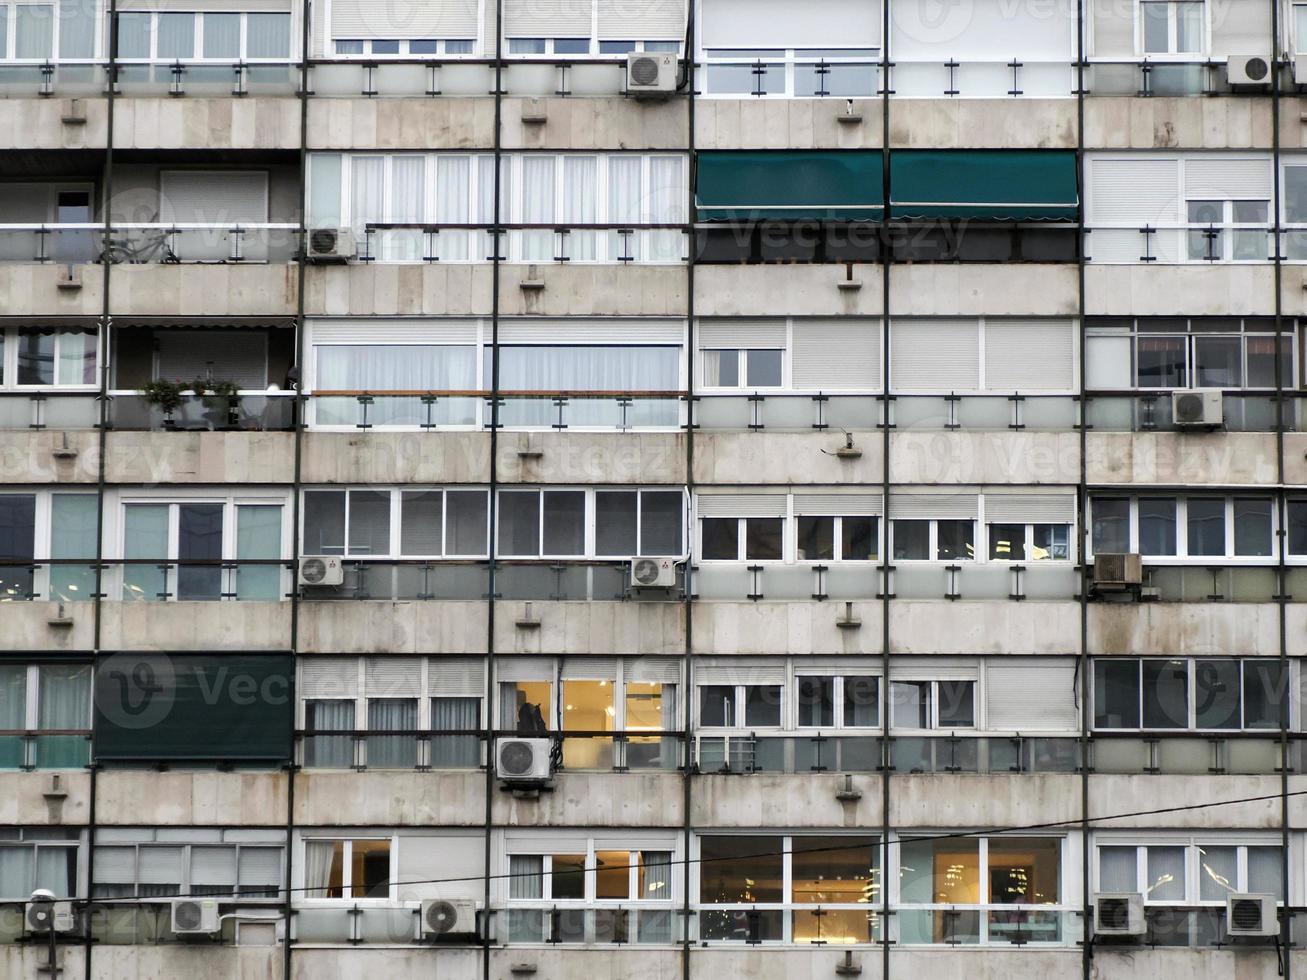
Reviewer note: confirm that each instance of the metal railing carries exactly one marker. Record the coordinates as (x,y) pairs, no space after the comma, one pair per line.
(145,580)
(247,411)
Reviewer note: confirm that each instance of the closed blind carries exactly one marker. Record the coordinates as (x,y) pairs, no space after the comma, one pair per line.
(834,354)
(322,677)
(924,506)
(260,867)
(742,505)
(786,24)
(581,331)
(393,677)
(729,334)
(1029,355)
(239,356)
(1030,508)
(160,866)
(115,865)
(1036,696)
(386,331)
(456,676)
(935,355)
(548,18)
(641,20)
(664,670)
(590,668)
(413,19)
(1222,177)
(222,197)
(838,504)
(739,674)
(1133,191)
(525,669)
(213,866)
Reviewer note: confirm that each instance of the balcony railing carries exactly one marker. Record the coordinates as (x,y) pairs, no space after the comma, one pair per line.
(990,79)
(904,580)
(79,79)
(45,749)
(145,580)
(786,411)
(71,243)
(1160,78)
(619,924)
(208,78)
(533,76)
(49,409)
(167,243)
(603,410)
(247,411)
(1178,753)
(1171,243)
(1150,411)
(585,243)
(843,752)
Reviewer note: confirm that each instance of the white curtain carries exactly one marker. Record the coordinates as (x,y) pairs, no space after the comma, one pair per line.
(455,751)
(615,368)
(407,199)
(392,751)
(526,876)
(13,696)
(258,535)
(624,205)
(393,367)
(16,872)
(366,196)
(267,35)
(324,190)
(580,205)
(538,188)
(1116,869)
(657,867)
(329,751)
(65,696)
(176,37)
(453,206)
(77,28)
(1264,871)
(667,203)
(56,869)
(319,856)
(145,536)
(222,36)
(34,34)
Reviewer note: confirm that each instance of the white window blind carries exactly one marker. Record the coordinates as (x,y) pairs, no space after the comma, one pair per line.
(1031,696)
(931,670)
(525,669)
(989,32)
(935,355)
(383,331)
(392,677)
(834,354)
(1133,190)
(213,866)
(1107,361)
(786,24)
(590,669)
(739,674)
(323,677)
(576,330)
(838,504)
(742,505)
(239,356)
(1224,178)
(664,670)
(1030,508)
(729,334)
(160,866)
(114,865)
(365,19)
(223,197)
(939,506)
(548,18)
(1029,355)
(641,20)
(260,867)
(456,677)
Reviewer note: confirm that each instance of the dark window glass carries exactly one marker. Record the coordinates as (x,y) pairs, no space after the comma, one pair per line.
(519,522)
(762,540)
(1252,526)
(18,526)
(1297,510)
(733,870)
(661,515)
(861,702)
(956,540)
(762,705)
(385,47)
(369,522)
(1116,694)
(1265,694)
(1261,361)
(423,47)
(1157,525)
(569,876)
(1161,362)
(764,368)
(858,538)
(1007,542)
(721,538)
(36,357)
(715,706)
(564,522)
(1110,530)
(1166,696)
(571,45)
(816,701)
(957,704)
(199,538)
(911,540)
(1206,526)
(1216,693)
(615,522)
(816,539)
(1218,362)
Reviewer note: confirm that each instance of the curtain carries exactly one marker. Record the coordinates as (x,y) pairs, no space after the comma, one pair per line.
(222,36)
(176,37)
(267,35)
(614,368)
(13,696)
(76,358)
(366,196)
(667,203)
(319,858)
(77,28)
(1116,869)
(65,700)
(453,206)
(394,367)
(146,536)
(624,205)
(526,876)
(1218,872)
(324,190)
(72,535)
(392,751)
(421,522)
(34,34)
(16,872)
(580,205)
(199,538)
(655,875)
(1264,871)
(159,871)
(466,522)
(329,751)
(258,535)
(407,198)
(455,751)
(56,869)
(538,187)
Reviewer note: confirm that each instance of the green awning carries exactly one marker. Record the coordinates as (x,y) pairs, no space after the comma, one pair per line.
(829,185)
(989,185)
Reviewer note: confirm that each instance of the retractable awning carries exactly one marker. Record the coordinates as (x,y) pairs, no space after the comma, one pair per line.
(988,185)
(829,185)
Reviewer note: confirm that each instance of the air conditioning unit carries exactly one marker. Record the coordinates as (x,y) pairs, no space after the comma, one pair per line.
(653,573)
(651,76)
(524,760)
(330,245)
(1251,915)
(195,915)
(321,571)
(447,918)
(45,915)
(1248,69)
(1118,572)
(1202,408)
(1119,914)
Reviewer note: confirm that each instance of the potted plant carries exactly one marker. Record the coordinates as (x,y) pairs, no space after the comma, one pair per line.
(220,396)
(167,395)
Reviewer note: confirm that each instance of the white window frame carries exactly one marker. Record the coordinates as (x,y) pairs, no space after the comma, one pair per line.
(933,723)
(1189,336)
(9,346)
(1182,556)
(838,693)
(619,683)
(9,12)
(838,543)
(312,901)
(933,541)
(742,545)
(32,695)
(588,519)
(197,42)
(405,48)
(784,709)
(1193,845)
(35,845)
(1029,543)
(1226,229)
(187,847)
(787,61)
(1172,21)
(742,359)
(395,494)
(1191,696)
(43,530)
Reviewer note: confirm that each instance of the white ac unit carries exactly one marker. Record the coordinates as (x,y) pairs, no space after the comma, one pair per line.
(1201,408)
(330,245)
(1251,915)
(321,571)
(523,760)
(1119,914)
(1248,69)
(45,915)
(1117,571)
(195,915)
(652,75)
(446,918)
(653,573)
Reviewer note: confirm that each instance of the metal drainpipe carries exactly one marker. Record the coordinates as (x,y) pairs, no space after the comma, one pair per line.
(688,761)
(886,260)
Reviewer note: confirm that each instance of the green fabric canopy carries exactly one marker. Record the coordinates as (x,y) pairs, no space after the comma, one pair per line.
(831,185)
(989,185)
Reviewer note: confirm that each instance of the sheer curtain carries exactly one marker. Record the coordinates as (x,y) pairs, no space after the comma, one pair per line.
(222,36)
(395,367)
(329,751)
(16,871)
(34,30)
(77,28)
(538,188)
(526,876)
(624,206)
(267,35)
(667,203)
(455,751)
(453,206)
(580,205)
(1116,869)
(13,696)
(615,368)
(366,195)
(325,190)
(319,857)
(176,37)
(407,205)
(392,751)
(56,869)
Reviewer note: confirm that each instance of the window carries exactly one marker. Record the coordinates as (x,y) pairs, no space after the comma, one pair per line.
(597,890)
(801,890)
(145,863)
(67,521)
(933,704)
(933,540)
(201,37)
(404,48)
(839,701)
(1184,527)
(757,368)
(639,522)
(978,890)
(741,538)
(354,869)
(1173,352)
(202,550)
(426,523)
(49,356)
(38,857)
(1200,694)
(370,370)
(837,538)
(1172,26)
(1029,542)
(1225,231)
(740,705)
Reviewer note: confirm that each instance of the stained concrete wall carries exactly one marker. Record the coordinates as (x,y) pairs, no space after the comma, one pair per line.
(184,799)
(30,289)
(778,290)
(200,457)
(27,456)
(1013,457)
(253,122)
(937,124)
(1181,459)
(785,124)
(199,626)
(24,803)
(27,626)
(1162,123)
(1179,290)
(375,626)
(984,289)
(37,124)
(389,799)
(1185,629)
(203,290)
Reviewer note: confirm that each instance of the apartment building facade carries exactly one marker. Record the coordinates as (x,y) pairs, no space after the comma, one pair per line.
(467,512)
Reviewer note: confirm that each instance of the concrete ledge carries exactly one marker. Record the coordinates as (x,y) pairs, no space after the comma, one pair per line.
(37,124)
(382,626)
(203,290)
(27,626)
(935,124)
(625,289)
(1159,123)
(180,799)
(597,123)
(592,457)
(597,799)
(218,627)
(32,289)
(396,457)
(789,963)
(984,289)
(1187,629)
(785,628)
(200,457)
(374,963)
(252,122)
(785,124)
(780,290)
(27,456)
(942,799)
(144,961)
(402,124)
(980,627)
(1181,459)
(397,290)
(1179,290)
(1109,794)
(798,458)
(396,798)
(601,963)
(1011,457)
(22,802)
(782,800)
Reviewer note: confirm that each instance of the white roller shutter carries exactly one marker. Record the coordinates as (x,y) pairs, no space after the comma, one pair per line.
(741,505)
(189,6)
(368,19)
(213,866)
(334,677)
(238,355)
(576,330)
(548,18)
(932,670)
(1133,191)
(662,670)
(220,197)
(838,504)
(114,865)
(935,355)
(925,506)
(787,24)
(260,867)
(731,334)
(641,20)
(589,669)
(456,676)
(393,677)
(742,673)
(988,31)
(1031,696)
(1225,177)
(834,354)
(1029,355)
(524,669)
(383,331)
(160,865)
(1030,508)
